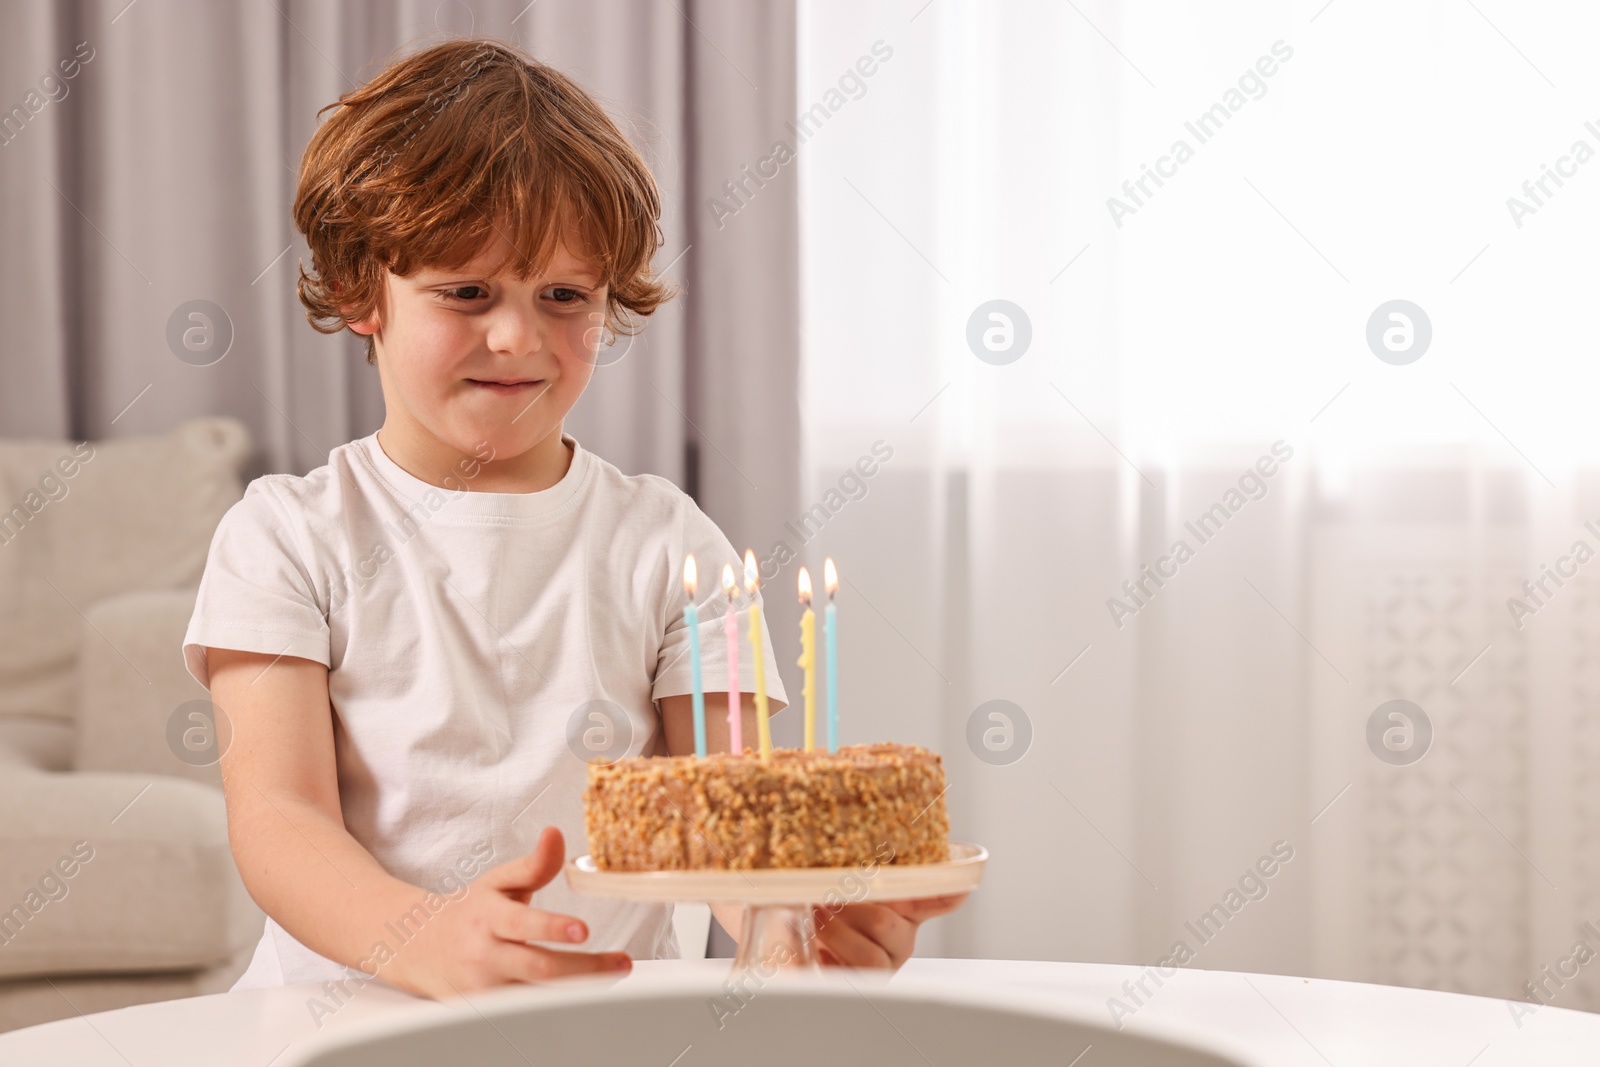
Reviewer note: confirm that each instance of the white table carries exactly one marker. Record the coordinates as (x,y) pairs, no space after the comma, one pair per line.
(1285,1021)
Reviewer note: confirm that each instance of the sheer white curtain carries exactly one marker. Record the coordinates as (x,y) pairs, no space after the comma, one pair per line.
(1201,348)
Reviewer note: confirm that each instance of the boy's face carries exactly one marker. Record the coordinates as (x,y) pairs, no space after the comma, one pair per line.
(471,357)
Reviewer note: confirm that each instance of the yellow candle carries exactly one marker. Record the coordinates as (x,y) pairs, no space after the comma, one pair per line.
(752,583)
(808,657)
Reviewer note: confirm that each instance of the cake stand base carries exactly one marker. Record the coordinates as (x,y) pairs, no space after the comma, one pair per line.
(777,936)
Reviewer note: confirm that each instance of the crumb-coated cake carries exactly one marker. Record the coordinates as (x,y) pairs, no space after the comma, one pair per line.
(863,803)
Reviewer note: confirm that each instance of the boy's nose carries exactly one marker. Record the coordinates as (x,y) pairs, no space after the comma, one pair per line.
(516,331)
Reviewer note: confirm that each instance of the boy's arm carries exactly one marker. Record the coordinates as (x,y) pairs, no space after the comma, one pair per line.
(677,719)
(303,867)
(284,820)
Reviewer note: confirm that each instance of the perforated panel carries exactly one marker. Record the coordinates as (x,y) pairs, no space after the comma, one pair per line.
(1448,881)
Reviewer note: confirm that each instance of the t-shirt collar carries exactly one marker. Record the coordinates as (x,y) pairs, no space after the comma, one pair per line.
(463,501)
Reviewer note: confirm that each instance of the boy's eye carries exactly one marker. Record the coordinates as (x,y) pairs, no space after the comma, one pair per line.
(557,294)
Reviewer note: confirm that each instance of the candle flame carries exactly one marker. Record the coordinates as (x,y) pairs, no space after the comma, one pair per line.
(752,576)
(805,587)
(728,583)
(830,577)
(691,578)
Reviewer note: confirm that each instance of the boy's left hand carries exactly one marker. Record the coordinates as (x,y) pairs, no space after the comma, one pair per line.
(876,935)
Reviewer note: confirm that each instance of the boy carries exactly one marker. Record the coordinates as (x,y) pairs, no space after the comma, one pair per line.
(413,642)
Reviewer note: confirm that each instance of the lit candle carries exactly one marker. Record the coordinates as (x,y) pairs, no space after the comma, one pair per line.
(808,658)
(830,636)
(730,629)
(752,584)
(691,619)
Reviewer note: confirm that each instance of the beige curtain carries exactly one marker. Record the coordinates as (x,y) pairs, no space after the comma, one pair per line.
(162,172)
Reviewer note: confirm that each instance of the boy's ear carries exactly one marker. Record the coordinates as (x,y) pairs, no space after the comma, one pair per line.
(366,325)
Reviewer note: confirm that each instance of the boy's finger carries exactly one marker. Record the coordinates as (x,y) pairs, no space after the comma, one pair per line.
(518,922)
(878,923)
(853,948)
(522,876)
(928,907)
(526,963)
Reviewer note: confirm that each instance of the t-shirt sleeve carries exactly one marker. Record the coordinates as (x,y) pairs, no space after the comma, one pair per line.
(257,593)
(711,550)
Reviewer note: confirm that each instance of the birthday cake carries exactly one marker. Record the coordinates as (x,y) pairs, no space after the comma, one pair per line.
(863,803)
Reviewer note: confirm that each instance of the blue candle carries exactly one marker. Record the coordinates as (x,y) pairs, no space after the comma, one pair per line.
(830,634)
(691,619)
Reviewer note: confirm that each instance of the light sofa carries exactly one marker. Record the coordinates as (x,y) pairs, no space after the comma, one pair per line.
(117,885)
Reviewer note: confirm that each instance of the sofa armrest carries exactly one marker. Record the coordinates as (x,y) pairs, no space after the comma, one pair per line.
(116,873)
(131,683)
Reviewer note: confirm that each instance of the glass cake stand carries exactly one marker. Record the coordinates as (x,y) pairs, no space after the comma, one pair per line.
(778,930)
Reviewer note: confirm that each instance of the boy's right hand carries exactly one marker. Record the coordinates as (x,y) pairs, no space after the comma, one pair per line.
(479,940)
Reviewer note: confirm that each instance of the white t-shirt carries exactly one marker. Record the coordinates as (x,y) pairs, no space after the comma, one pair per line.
(479,646)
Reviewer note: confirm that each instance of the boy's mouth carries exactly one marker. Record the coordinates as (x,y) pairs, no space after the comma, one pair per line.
(508,388)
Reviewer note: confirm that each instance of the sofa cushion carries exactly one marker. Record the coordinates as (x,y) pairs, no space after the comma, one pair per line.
(80,522)
(108,873)
(136,700)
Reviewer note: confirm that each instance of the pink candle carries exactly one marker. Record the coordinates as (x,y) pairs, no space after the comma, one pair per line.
(730,628)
